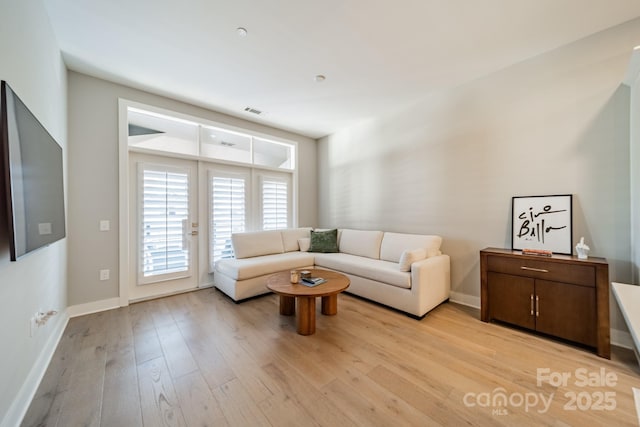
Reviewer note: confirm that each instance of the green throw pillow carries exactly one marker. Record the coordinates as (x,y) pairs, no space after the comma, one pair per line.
(324,241)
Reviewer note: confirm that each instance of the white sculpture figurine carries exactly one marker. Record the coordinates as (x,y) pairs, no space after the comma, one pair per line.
(582,249)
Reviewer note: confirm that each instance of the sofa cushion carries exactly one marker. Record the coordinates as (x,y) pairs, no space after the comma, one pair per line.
(393,244)
(360,242)
(324,241)
(304,244)
(257,243)
(374,269)
(328,229)
(408,257)
(247,268)
(290,237)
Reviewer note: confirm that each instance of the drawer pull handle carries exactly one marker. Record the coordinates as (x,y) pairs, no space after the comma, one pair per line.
(532,304)
(537,306)
(539,270)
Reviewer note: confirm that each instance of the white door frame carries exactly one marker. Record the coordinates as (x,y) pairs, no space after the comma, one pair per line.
(166,284)
(126,232)
(123,191)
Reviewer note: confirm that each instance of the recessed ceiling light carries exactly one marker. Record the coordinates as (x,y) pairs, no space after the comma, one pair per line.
(319,78)
(242,32)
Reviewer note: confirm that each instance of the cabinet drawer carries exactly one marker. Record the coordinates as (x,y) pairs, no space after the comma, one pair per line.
(544,269)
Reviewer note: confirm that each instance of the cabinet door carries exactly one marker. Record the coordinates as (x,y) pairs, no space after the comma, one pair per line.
(567,311)
(510,299)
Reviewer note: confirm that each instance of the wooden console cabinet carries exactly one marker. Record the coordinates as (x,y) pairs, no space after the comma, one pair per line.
(562,295)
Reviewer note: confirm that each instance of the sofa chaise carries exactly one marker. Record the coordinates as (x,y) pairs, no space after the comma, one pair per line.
(407,272)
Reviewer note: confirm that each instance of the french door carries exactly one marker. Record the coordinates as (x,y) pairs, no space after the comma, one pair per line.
(163,220)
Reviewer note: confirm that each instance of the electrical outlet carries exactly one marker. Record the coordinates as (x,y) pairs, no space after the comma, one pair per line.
(104,274)
(105,225)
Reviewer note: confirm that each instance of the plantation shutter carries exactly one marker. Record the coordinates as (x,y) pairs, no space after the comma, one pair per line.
(164,217)
(228,211)
(275,204)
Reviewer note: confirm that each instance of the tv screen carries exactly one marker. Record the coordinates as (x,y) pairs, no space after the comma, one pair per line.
(34,184)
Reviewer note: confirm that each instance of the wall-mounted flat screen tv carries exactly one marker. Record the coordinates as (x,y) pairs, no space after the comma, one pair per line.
(33,177)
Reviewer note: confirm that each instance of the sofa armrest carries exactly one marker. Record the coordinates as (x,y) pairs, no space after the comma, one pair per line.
(431,281)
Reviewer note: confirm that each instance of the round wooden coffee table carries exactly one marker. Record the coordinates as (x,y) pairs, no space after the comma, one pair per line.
(280,283)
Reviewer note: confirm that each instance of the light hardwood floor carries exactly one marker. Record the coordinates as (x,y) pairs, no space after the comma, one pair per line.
(197,359)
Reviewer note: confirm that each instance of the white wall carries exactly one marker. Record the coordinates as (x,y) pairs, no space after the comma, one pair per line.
(93,172)
(31,64)
(555,124)
(635,173)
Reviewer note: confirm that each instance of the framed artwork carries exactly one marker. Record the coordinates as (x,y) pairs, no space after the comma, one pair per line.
(542,222)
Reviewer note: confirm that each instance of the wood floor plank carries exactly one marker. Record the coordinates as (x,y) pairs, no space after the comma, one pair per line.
(175,350)
(387,403)
(202,343)
(296,388)
(141,317)
(243,363)
(281,411)
(83,399)
(47,402)
(238,407)
(121,399)
(160,313)
(265,343)
(362,410)
(158,400)
(198,405)
(199,359)
(147,345)
(430,404)
(322,365)
(179,306)
(196,304)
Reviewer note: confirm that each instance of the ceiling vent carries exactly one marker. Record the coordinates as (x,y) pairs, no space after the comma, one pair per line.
(227,144)
(252,110)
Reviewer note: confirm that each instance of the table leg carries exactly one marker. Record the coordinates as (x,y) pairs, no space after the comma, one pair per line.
(306,315)
(330,305)
(287,305)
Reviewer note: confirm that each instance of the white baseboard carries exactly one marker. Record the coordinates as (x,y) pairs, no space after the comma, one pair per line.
(464,299)
(93,307)
(23,399)
(636,399)
(621,339)
(111,303)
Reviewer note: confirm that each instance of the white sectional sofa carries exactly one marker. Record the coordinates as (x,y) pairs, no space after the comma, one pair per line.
(373,260)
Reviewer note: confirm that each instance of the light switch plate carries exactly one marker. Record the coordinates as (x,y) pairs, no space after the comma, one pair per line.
(105,225)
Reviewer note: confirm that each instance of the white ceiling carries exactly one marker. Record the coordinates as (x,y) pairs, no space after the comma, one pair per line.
(377,55)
